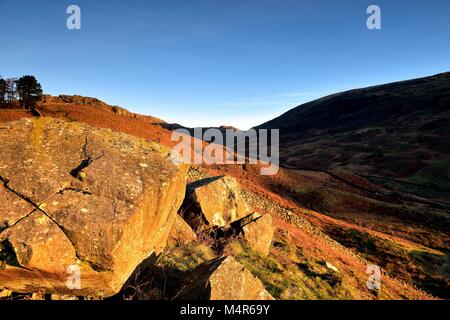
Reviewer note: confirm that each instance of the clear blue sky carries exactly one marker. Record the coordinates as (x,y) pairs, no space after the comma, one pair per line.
(212,62)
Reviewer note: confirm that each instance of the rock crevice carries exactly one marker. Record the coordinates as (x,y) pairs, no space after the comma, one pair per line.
(38,208)
(86,162)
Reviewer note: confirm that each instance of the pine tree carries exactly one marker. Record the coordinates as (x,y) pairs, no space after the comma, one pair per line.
(3,88)
(29,90)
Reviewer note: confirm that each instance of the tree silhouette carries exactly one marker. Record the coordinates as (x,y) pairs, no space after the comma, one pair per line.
(29,90)
(3,88)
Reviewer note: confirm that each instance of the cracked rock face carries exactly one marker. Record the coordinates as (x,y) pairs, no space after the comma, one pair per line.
(223,279)
(80,207)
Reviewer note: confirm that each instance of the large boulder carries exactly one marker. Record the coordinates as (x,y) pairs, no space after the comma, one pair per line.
(215,202)
(81,207)
(223,279)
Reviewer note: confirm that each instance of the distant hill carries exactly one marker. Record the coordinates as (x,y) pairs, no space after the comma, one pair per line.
(396,134)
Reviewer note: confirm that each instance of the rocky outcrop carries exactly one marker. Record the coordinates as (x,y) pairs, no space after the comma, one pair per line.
(75,99)
(223,279)
(214,202)
(181,232)
(80,207)
(87,101)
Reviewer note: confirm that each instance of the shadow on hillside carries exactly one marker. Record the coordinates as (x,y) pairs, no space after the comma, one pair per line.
(427,271)
(435,276)
(173,126)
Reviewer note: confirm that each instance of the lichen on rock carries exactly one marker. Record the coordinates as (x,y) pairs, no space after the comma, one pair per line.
(106,223)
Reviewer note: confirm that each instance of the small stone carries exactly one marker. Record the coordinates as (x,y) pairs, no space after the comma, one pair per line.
(38,296)
(5,294)
(82,176)
(331,267)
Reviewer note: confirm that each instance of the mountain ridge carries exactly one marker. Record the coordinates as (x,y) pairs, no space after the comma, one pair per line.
(394,131)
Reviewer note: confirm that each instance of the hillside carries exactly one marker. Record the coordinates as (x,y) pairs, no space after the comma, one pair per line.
(395,135)
(321,222)
(377,160)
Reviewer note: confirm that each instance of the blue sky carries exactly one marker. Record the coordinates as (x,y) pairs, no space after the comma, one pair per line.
(213,62)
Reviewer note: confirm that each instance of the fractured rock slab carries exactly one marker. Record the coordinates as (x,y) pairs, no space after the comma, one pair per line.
(12,207)
(103,202)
